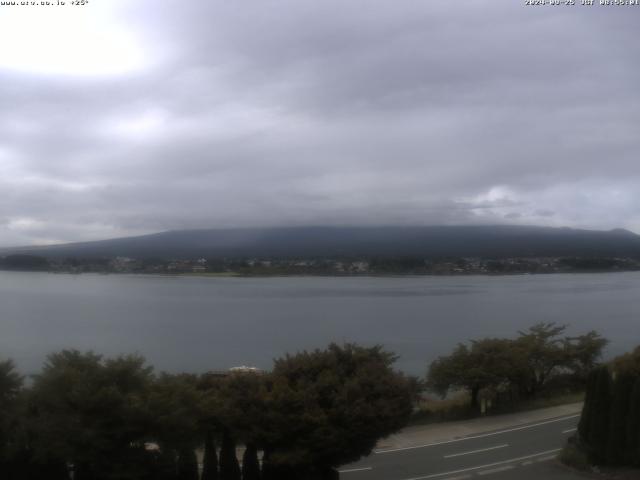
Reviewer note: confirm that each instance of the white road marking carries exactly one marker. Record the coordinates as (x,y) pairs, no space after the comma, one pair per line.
(546,459)
(349,470)
(569,430)
(479,467)
(515,429)
(461,477)
(528,462)
(496,470)
(476,451)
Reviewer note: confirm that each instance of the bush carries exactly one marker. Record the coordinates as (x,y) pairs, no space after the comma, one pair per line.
(573,457)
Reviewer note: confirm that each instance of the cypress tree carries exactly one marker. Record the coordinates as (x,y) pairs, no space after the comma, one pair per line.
(210,460)
(587,409)
(599,425)
(187,464)
(250,463)
(229,467)
(167,465)
(633,427)
(267,467)
(617,441)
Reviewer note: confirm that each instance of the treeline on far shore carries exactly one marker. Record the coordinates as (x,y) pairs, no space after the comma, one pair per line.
(352,266)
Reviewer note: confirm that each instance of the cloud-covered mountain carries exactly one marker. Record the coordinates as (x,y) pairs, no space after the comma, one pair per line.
(431,241)
(174,115)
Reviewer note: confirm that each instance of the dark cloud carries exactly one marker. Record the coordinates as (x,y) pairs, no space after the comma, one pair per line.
(300,112)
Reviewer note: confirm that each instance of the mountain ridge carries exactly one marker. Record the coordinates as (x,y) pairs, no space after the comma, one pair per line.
(337,241)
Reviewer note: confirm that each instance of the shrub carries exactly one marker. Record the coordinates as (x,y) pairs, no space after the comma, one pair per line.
(573,457)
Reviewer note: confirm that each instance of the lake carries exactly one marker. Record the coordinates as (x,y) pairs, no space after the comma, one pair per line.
(201,323)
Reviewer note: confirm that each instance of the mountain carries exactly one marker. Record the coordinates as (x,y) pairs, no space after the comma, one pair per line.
(286,242)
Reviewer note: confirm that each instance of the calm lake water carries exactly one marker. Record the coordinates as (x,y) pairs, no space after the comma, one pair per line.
(196,324)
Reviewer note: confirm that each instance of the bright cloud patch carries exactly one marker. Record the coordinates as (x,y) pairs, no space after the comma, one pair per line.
(66,41)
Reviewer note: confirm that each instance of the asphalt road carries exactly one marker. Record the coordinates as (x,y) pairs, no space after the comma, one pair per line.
(519,452)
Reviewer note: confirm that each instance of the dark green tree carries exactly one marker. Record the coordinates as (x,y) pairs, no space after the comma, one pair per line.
(329,407)
(229,466)
(584,425)
(12,454)
(90,412)
(618,418)
(250,463)
(487,363)
(167,465)
(584,352)
(628,363)
(210,459)
(174,409)
(545,352)
(187,464)
(599,421)
(633,426)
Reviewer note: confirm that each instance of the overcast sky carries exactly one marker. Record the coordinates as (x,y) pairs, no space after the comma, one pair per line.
(128,117)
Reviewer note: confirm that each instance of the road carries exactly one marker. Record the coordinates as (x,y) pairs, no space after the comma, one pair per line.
(525,451)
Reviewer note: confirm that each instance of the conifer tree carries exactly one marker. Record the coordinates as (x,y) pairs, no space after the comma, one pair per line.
(633,426)
(267,472)
(587,409)
(229,466)
(187,464)
(210,460)
(617,441)
(599,419)
(250,463)
(167,465)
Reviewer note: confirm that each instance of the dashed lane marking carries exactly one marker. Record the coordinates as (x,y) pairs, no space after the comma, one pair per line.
(546,459)
(496,470)
(476,451)
(489,465)
(484,435)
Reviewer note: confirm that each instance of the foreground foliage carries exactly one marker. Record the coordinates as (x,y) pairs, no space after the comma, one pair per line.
(113,418)
(609,429)
(540,359)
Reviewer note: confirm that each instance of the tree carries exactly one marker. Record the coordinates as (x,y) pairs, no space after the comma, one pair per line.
(609,428)
(600,413)
(489,363)
(229,466)
(329,407)
(544,352)
(628,363)
(90,411)
(584,425)
(174,409)
(618,417)
(250,463)
(187,464)
(239,404)
(10,389)
(210,459)
(633,426)
(583,352)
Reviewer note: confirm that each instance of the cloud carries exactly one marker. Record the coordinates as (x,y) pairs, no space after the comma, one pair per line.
(299,112)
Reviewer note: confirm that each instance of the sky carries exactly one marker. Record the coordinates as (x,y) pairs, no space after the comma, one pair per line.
(128,117)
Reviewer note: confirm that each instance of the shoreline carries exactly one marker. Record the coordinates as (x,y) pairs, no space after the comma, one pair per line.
(324,275)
